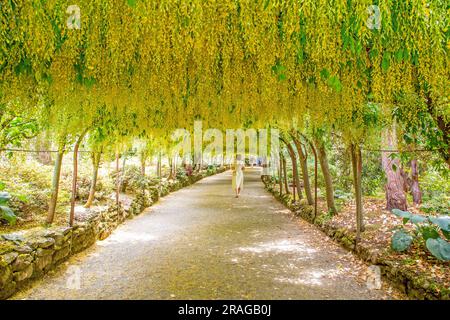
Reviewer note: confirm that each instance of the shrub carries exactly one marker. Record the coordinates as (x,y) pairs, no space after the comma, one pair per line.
(435,190)
(439,205)
(6,213)
(133,180)
(29,187)
(428,228)
(342,195)
(103,187)
(211,170)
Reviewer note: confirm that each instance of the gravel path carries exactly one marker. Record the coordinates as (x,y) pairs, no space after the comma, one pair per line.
(202,243)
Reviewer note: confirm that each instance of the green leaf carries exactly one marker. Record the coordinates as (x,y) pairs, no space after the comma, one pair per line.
(405,54)
(442,222)
(401,213)
(24,67)
(300,57)
(359,47)
(399,55)
(394,155)
(446,234)
(132,3)
(407,138)
(335,83)
(386,61)
(359,84)
(373,53)
(408,216)
(324,74)
(8,215)
(428,232)
(89,82)
(439,248)
(401,241)
(417,218)
(22,197)
(48,78)
(4,198)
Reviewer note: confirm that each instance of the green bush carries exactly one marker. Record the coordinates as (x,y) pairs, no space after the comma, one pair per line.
(181,176)
(104,186)
(434,185)
(29,187)
(342,195)
(211,170)
(6,214)
(133,180)
(372,174)
(435,192)
(439,205)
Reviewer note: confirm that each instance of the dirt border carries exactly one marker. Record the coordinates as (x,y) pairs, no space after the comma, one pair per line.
(26,256)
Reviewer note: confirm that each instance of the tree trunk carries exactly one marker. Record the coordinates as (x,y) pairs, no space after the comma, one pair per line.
(175,161)
(286,187)
(74,177)
(395,193)
(407,182)
(122,175)
(117,178)
(315,179)
(280,175)
(304,167)
(294,168)
(95,165)
(143,159)
(323,161)
(415,189)
(158,165)
(170,168)
(360,194)
(55,185)
(357,169)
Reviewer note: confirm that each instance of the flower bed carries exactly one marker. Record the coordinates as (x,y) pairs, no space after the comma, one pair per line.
(416,273)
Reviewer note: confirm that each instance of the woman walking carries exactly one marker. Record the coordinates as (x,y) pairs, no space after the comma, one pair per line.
(238,175)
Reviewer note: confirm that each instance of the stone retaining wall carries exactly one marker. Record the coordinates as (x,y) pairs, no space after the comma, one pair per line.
(411,284)
(27,255)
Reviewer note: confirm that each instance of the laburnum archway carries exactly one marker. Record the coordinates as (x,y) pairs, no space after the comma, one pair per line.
(125,70)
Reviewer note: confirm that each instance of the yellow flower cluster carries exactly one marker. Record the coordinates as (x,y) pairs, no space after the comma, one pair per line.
(150,66)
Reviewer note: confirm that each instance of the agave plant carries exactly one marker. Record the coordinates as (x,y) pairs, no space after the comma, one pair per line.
(429,229)
(5,212)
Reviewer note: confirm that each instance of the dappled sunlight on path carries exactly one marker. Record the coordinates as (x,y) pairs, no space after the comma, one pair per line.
(202,243)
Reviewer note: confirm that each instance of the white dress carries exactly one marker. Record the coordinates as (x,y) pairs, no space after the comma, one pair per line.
(238,181)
